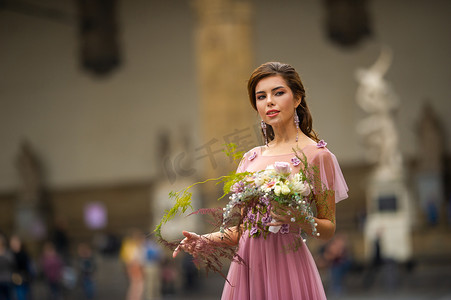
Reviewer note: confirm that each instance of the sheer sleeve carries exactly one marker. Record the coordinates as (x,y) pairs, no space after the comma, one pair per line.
(330,174)
(243,163)
(249,155)
(241,167)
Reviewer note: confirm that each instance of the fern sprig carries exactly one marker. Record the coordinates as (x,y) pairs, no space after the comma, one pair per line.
(182,203)
(231,151)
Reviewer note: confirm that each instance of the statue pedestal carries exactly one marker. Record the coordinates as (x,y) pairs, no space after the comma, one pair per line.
(31,226)
(29,223)
(388,216)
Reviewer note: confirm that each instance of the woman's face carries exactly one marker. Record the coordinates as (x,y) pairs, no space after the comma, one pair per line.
(275,101)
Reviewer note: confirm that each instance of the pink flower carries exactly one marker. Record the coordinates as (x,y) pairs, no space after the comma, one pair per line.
(254,230)
(266,220)
(285,229)
(264,200)
(254,155)
(251,217)
(295,161)
(282,167)
(321,144)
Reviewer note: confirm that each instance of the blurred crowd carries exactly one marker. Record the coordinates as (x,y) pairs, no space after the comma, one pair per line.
(66,270)
(63,270)
(19,270)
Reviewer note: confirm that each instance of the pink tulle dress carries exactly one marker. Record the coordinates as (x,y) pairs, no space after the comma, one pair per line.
(270,272)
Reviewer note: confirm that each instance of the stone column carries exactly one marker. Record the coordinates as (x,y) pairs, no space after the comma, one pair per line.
(224,61)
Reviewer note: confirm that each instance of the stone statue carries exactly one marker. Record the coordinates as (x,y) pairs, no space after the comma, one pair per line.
(376,97)
(30,175)
(32,210)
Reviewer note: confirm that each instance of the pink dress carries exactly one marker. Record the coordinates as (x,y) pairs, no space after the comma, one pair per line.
(270,272)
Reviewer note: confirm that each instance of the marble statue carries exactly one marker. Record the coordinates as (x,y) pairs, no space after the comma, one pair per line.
(377,98)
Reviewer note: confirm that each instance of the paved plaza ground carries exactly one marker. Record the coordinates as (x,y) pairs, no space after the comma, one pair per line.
(427,281)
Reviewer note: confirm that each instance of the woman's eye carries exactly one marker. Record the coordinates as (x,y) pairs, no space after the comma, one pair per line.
(261,97)
(280,93)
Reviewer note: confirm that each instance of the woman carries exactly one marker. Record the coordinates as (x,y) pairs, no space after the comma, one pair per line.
(269,271)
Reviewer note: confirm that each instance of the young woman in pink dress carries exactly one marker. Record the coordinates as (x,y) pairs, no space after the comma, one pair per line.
(270,271)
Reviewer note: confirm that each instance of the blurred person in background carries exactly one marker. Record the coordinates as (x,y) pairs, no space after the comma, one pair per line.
(86,268)
(190,273)
(152,269)
(61,243)
(169,276)
(52,268)
(448,211)
(23,271)
(132,254)
(61,240)
(335,257)
(6,270)
(376,264)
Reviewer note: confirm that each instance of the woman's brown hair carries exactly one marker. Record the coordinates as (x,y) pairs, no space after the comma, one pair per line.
(292,79)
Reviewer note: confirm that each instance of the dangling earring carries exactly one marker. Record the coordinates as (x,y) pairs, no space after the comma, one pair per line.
(263,125)
(296,123)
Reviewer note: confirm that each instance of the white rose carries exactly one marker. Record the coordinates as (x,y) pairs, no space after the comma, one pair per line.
(259,181)
(306,190)
(298,186)
(301,188)
(285,189)
(269,171)
(277,190)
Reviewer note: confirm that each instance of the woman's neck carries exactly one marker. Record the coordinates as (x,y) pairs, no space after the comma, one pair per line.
(282,144)
(285,134)
(286,143)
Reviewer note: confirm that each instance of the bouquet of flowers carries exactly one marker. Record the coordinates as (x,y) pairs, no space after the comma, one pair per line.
(257,194)
(253,199)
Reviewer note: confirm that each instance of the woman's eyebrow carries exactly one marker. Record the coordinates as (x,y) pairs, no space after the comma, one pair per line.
(272,90)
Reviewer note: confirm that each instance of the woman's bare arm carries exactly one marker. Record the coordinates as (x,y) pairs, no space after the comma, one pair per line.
(191,245)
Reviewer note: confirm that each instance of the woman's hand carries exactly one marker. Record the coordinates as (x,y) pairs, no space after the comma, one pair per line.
(189,244)
(282,214)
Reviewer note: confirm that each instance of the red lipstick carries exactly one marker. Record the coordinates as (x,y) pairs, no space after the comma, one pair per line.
(272,113)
